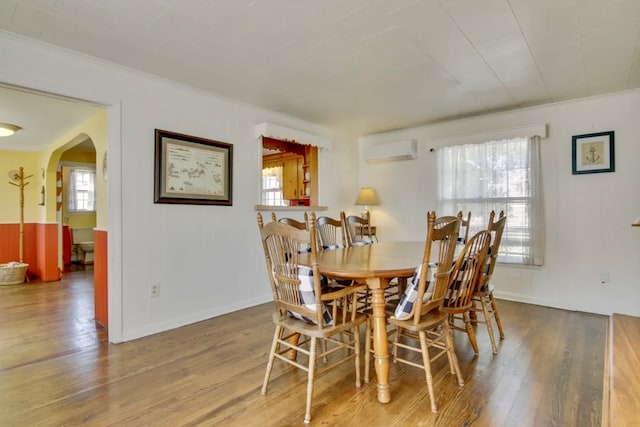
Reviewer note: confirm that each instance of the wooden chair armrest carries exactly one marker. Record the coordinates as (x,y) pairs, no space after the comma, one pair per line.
(342,292)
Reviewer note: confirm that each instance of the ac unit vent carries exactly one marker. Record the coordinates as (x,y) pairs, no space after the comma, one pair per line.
(391,151)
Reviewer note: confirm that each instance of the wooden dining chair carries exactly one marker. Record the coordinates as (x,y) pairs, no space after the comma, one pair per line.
(358,229)
(465,223)
(484,292)
(303,307)
(419,324)
(358,233)
(300,225)
(463,282)
(331,233)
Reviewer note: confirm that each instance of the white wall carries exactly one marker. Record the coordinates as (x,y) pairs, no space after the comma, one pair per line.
(207,259)
(588,217)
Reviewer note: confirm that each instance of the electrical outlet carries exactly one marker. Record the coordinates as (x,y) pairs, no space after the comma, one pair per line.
(604,277)
(155,290)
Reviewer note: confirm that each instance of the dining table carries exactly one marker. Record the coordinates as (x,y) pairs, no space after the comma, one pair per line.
(376,265)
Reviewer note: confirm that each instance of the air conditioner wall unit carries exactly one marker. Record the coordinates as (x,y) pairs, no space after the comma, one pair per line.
(391,151)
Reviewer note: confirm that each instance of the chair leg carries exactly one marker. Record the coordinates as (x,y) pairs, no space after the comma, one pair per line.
(451,352)
(367,352)
(494,307)
(356,337)
(272,356)
(426,360)
(396,339)
(470,332)
(402,285)
(310,375)
(440,329)
(487,318)
(473,311)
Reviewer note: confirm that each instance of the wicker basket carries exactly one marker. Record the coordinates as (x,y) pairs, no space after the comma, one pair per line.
(13,273)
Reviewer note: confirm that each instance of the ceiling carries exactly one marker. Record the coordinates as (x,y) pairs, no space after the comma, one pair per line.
(43,119)
(360,66)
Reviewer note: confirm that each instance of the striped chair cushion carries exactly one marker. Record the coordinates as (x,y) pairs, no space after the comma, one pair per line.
(308,296)
(364,242)
(331,247)
(404,309)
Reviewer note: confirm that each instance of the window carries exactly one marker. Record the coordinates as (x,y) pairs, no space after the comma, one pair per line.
(296,182)
(81,194)
(272,186)
(497,175)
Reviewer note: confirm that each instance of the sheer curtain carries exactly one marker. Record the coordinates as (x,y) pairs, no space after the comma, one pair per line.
(81,195)
(71,191)
(272,186)
(497,175)
(91,190)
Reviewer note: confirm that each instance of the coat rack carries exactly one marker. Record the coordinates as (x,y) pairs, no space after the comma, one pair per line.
(18,179)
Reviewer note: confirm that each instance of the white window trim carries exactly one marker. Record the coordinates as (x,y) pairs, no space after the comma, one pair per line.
(78,165)
(536,238)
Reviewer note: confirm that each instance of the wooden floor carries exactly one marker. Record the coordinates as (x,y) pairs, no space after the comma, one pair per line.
(57,368)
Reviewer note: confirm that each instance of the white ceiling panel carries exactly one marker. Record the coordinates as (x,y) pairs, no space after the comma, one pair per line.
(537,20)
(87,14)
(133,12)
(482,20)
(40,24)
(41,4)
(361,66)
(42,118)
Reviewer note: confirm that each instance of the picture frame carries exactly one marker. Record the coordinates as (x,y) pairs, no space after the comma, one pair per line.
(593,153)
(192,170)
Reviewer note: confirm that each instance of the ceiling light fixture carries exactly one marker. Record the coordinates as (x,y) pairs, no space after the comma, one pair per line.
(7,129)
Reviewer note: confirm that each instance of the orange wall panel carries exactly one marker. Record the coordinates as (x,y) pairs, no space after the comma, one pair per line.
(47,255)
(10,246)
(100,278)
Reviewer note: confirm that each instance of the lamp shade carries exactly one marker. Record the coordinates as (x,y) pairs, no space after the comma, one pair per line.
(367,197)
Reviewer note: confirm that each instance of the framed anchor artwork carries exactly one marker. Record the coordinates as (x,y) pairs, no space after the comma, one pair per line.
(593,153)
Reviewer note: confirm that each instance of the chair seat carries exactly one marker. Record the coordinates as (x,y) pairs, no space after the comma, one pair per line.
(488,288)
(311,329)
(429,321)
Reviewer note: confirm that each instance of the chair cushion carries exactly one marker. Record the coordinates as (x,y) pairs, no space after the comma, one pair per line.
(487,288)
(308,296)
(366,240)
(404,309)
(331,247)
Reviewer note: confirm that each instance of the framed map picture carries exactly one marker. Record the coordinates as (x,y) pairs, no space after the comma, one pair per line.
(192,170)
(593,153)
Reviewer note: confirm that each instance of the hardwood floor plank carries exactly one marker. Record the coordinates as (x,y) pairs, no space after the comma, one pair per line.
(57,368)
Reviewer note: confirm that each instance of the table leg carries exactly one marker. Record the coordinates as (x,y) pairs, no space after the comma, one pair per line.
(293,354)
(380,344)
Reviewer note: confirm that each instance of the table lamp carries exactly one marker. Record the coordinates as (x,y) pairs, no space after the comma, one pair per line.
(367,197)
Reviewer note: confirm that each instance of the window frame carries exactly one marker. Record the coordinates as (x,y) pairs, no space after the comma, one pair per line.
(530,251)
(275,190)
(72,169)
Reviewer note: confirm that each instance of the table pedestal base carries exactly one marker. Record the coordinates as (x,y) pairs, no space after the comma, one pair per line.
(380,340)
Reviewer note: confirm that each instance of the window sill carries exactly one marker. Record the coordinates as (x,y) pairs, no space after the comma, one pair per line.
(289,208)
